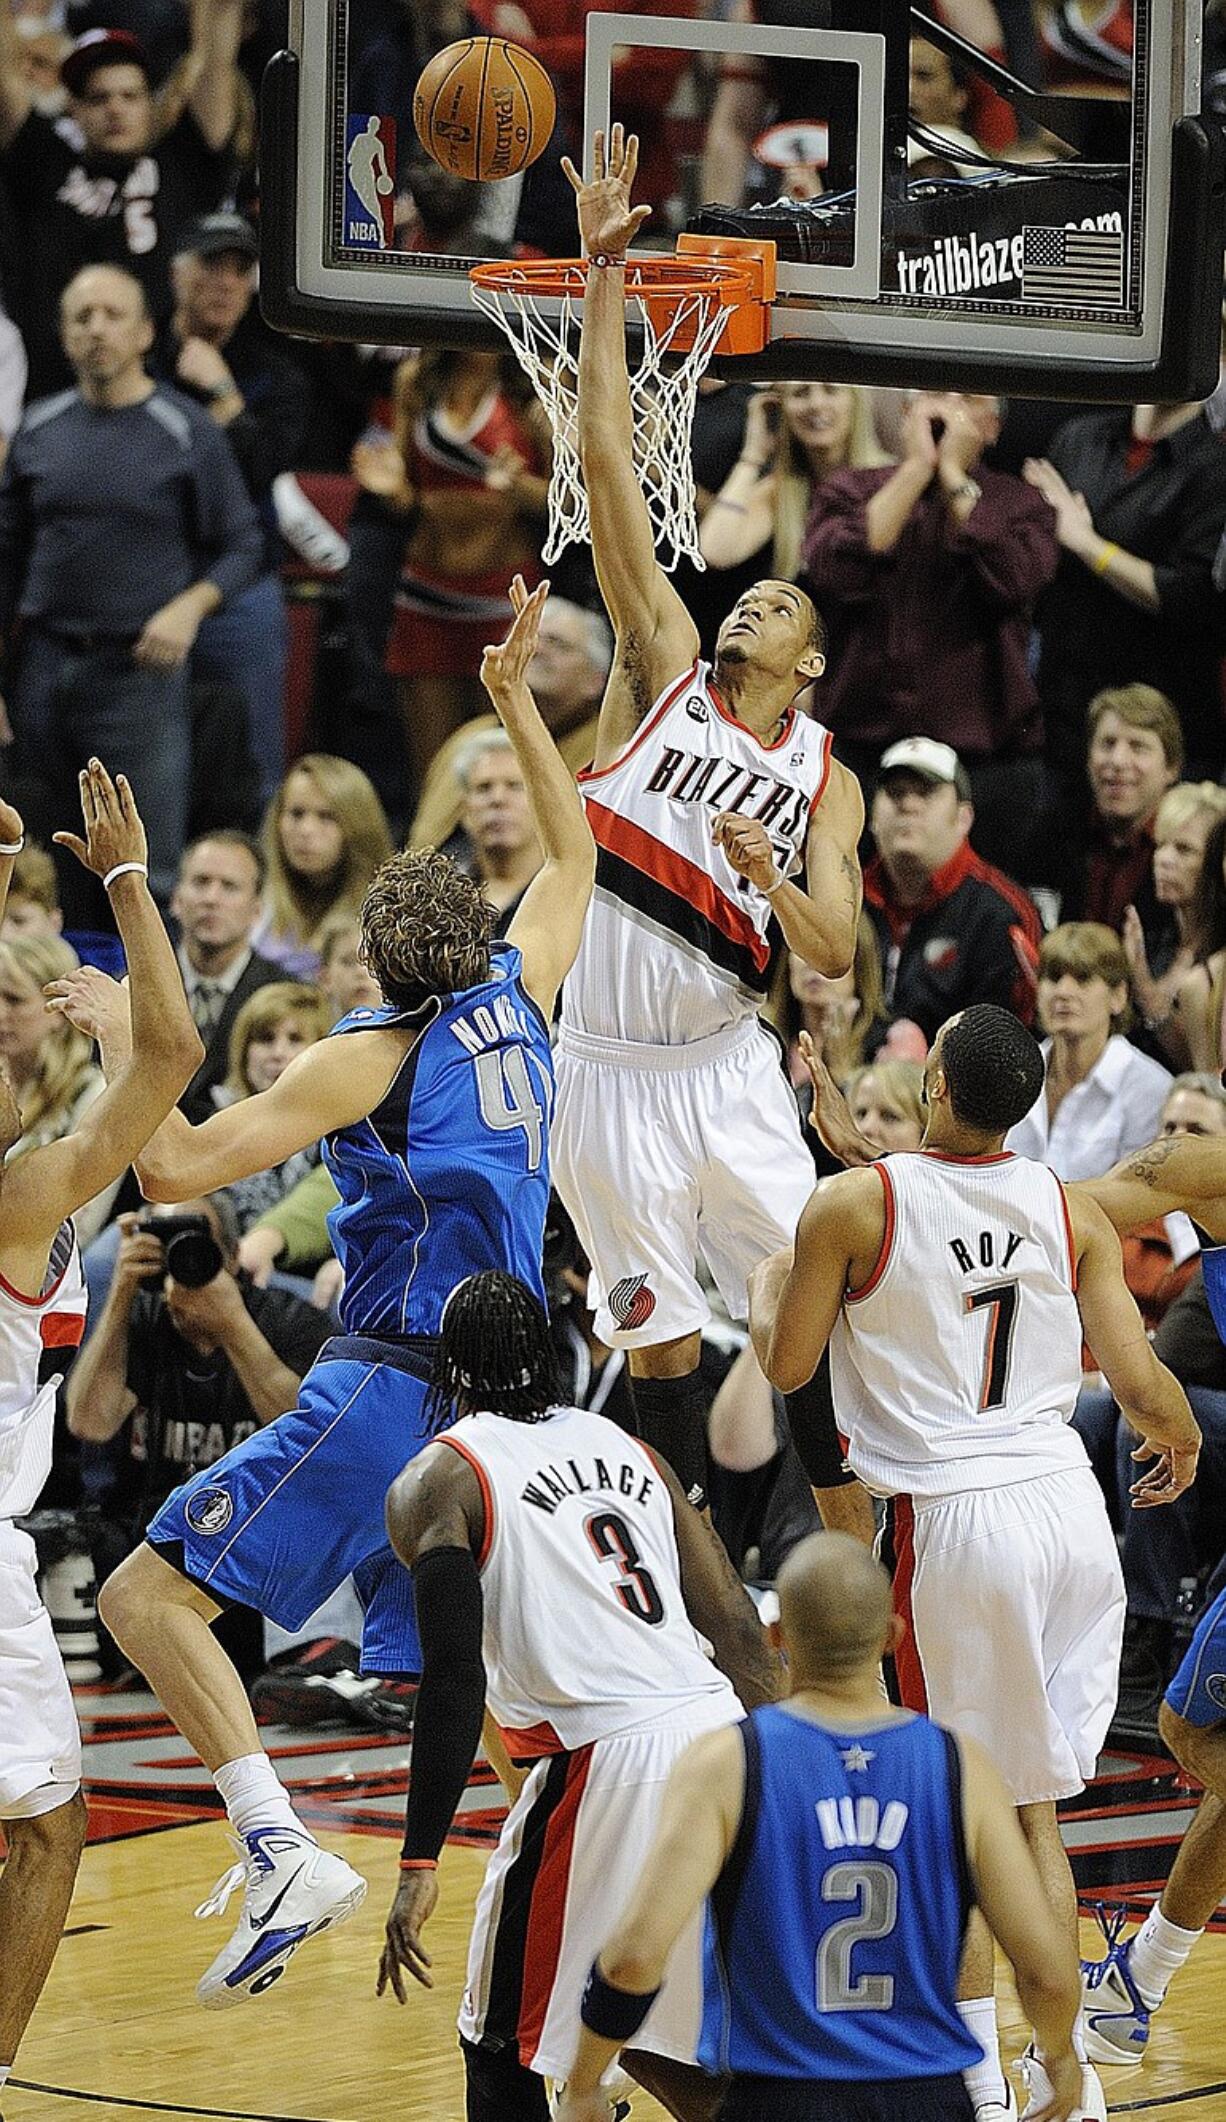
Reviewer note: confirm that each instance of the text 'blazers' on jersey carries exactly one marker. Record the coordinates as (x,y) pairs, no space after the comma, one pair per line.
(678,946)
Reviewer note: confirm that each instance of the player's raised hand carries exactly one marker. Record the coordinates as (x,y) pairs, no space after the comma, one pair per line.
(92,1002)
(748,848)
(415,1903)
(113,829)
(503,666)
(608,223)
(830,1115)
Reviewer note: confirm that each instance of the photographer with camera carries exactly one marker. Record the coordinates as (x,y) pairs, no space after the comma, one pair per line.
(188,1358)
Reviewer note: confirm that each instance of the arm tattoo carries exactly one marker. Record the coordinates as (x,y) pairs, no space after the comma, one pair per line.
(850,869)
(1147,1164)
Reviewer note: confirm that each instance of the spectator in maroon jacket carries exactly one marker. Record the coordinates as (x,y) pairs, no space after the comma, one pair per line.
(952,929)
(927,573)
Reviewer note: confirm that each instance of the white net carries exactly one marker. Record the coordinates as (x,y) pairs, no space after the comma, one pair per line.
(662,400)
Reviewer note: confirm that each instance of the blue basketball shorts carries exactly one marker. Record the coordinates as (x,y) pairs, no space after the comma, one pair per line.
(1213,1267)
(291,1512)
(1198,1691)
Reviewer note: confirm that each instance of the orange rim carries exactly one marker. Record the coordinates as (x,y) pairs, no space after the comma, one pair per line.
(667,277)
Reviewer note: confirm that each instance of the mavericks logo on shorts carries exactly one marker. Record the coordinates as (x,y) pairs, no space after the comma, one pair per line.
(210,1510)
(1215,1688)
(631,1302)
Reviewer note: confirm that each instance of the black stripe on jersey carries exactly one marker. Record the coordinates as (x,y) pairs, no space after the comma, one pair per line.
(648,896)
(506,1987)
(966,1885)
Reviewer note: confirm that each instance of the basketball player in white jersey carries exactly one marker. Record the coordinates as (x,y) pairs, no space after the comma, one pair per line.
(559,1568)
(42,1311)
(720,821)
(954,1285)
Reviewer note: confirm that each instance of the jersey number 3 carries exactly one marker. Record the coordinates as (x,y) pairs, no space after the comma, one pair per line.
(635,1586)
(506,1098)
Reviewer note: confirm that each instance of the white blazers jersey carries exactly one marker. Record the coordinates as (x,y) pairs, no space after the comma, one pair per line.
(31,1329)
(677,946)
(586,1632)
(957,1365)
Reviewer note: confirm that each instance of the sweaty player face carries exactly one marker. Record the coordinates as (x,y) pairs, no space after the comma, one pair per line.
(767,629)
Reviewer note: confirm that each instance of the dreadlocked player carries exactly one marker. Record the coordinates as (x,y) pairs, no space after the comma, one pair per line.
(557,1563)
(435,1112)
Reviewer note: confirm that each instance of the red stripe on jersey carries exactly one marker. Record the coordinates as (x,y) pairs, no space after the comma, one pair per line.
(62,1329)
(1069,1238)
(487,1495)
(908,1665)
(827,762)
(547,1915)
(679,876)
(597,773)
(887,1240)
(532,1744)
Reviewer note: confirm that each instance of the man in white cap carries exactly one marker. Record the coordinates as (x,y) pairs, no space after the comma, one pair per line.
(952,929)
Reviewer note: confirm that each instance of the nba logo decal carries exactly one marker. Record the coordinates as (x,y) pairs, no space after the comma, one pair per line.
(370,183)
(210,1510)
(631,1302)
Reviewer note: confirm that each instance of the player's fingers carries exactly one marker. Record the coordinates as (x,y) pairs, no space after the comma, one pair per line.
(598,159)
(571,174)
(631,160)
(72,843)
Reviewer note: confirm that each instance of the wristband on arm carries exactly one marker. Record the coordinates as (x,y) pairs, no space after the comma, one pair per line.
(450,1701)
(613,2014)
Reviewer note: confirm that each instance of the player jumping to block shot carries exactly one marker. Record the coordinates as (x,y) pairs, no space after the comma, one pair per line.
(718,812)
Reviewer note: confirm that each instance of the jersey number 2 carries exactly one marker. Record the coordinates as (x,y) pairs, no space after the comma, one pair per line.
(635,1587)
(1000,1304)
(506,1097)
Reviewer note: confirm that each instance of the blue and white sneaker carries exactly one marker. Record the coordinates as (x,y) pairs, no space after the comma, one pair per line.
(1115,2017)
(292,1890)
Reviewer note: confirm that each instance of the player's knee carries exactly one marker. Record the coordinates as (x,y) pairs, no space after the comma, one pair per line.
(1186,1741)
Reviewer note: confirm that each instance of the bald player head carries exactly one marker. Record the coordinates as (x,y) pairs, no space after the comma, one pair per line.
(835,1611)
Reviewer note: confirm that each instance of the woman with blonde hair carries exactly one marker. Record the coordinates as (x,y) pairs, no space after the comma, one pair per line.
(885,1098)
(796,435)
(840,1015)
(1102,1097)
(274,1025)
(1184,821)
(51,1065)
(324,836)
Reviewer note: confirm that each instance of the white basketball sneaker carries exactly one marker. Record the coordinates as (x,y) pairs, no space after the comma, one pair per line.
(1093,2106)
(1002,2110)
(292,1890)
(615,2084)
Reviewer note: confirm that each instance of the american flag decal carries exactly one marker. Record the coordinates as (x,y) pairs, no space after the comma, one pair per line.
(1073,265)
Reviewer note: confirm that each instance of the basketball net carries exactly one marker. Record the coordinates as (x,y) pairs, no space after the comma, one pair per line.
(683,334)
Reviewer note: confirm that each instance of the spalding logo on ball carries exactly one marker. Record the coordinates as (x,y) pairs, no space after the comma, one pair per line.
(484,108)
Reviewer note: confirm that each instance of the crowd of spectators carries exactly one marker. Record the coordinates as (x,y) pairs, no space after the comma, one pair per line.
(1025,665)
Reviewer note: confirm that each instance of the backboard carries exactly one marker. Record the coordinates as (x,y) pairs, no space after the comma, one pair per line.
(1055,226)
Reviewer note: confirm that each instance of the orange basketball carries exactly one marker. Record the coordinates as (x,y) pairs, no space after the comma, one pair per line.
(484,108)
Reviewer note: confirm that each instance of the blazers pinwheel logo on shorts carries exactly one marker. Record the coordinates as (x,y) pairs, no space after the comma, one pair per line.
(632,1302)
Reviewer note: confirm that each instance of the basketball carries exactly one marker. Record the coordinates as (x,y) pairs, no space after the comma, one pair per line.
(484,108)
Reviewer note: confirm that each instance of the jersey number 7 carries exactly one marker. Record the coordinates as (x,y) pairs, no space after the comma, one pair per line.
(1000,1304)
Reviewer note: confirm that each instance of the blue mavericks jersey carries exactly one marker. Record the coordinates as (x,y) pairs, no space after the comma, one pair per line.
(835,1930)
(449,1175)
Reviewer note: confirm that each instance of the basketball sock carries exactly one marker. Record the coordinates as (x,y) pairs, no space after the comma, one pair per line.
(254,1796)
(672,1419)
(984,2081)
(1157,1953)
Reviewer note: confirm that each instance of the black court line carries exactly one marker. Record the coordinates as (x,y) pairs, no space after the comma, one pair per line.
(1143,2107)
(82,1930)
(162,2107)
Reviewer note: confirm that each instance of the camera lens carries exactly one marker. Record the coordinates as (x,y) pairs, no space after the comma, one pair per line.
(193,1258)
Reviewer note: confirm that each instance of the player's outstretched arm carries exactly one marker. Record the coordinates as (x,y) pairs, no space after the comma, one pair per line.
(1020,1916)
(47,1184)
(795,1298)
(1178,1171)
(718,1604)
(550,919)
(656,638)
(699,1817)
(1150,1398)
(436,1522)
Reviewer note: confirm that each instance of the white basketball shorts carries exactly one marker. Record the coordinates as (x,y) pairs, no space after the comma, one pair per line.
(568,1859)
(40,1742)
(1016,1607)
(663,1153)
